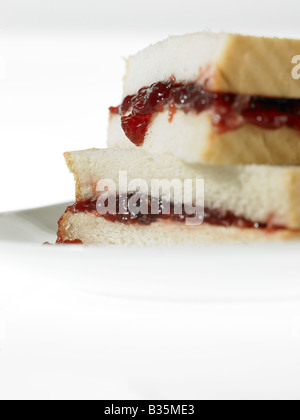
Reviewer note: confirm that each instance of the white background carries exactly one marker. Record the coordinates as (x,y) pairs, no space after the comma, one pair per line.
(217,323)
(61,67)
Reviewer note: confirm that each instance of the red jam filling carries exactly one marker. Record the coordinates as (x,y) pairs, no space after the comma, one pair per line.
(67,242)
(61,241)
(212,217)
(229,111)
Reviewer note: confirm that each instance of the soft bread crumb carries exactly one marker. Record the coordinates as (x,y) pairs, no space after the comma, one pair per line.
(93,230)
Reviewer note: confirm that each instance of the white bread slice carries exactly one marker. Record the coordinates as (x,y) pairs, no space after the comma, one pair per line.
(263,194)
(93,230)
(229,62)
(192,138)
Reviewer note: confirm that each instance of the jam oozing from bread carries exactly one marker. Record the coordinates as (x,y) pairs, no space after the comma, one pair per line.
(67,242)
(211,216)
(229,111)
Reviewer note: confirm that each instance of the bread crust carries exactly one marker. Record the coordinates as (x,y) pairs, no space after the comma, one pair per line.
(257,66)
(252,145)
(293,185)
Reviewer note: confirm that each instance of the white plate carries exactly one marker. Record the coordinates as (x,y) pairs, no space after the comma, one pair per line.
(193,273)
(205,322)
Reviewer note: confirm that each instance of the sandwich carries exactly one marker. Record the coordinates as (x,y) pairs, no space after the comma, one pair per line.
(239,203)
(220,99)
